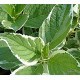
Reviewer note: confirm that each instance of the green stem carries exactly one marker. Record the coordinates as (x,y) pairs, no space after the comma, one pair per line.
(23,30)
(45,67)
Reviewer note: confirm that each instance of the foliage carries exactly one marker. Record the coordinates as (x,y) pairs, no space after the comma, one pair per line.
(40,38)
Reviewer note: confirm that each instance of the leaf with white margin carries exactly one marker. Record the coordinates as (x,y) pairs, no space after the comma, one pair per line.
(7,59)
(56,26)
(30,70)
(62,63)
(24,46)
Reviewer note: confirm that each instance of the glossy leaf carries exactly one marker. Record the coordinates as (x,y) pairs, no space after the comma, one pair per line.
(56,26)
(63,64)
(7,59)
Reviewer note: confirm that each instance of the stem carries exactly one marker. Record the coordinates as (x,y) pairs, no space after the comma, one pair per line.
(23,30)
(45,68)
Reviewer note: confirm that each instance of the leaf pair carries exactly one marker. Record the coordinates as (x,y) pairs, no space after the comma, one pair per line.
(35,13)
(24,48)
(61,63)
(16,19)
(13,9)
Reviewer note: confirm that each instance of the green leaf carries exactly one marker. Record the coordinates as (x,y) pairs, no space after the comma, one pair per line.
(23,46)
(7,59)
(45,52)
(8,8)
(74,22)
(20,22)
(56,26)
(28,31)
(13,10)
(19,8)
(62,63)
(71,43)
(37,14)
(3,14)
(39,46)
(75,16)
(76,9)
(78,35)
(31,70)
(6,24)
(75,53)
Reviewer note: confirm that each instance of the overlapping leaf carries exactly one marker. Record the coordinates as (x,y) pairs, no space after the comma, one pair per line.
(18,24)
(7,59)
(75,53)
(55,28)
(8,8)
(31,70)
(24,46)
(3,15)
(63,64)
(37,14)
(45,52)
(19,8)
(16,19)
